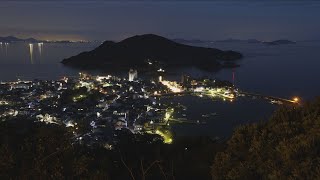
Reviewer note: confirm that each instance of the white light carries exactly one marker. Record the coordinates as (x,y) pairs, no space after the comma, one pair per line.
(199,89)
(40,46)
(160,70)
(69,124)
(31,52)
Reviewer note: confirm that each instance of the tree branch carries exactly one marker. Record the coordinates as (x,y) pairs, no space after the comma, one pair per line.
(130,171)
(164,174)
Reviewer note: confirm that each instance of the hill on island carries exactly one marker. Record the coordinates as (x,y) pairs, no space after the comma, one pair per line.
(137,51)
(280,42)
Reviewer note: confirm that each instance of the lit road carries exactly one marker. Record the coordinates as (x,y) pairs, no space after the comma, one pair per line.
(228,95)
(291,101)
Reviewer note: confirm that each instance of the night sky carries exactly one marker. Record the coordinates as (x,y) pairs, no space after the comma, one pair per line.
(100,20)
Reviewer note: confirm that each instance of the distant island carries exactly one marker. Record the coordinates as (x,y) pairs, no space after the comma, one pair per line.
(191,41)
(231,40)
(144,50)
(13,39)
(276,42)
(279,42)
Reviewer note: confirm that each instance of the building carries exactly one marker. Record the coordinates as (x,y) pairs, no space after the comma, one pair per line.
(185,79)
(19,86)
(133,75)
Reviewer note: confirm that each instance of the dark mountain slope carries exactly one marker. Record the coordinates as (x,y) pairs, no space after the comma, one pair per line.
(136,50)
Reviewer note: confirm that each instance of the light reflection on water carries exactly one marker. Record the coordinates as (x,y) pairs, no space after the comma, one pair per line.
(226,115)
(6,48)
(41,61)
(31,53)
(40,48)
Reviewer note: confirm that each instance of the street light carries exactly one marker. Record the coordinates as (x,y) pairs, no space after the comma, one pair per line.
(296,99)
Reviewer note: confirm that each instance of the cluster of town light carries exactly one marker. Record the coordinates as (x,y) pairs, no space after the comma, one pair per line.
(173,86)
(168,114)
(77,98)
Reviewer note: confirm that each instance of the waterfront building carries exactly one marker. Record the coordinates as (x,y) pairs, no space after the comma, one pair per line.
(133,75)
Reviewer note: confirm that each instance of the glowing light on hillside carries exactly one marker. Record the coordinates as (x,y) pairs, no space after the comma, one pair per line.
(296,99)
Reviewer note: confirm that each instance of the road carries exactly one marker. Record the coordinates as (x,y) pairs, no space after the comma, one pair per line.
(282,100)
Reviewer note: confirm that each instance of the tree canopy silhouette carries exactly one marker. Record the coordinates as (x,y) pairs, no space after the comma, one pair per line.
(285,147)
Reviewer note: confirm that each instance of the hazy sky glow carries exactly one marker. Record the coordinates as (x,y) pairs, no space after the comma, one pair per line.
(187,19)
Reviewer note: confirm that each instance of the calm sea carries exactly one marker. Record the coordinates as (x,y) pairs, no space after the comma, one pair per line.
(284,70)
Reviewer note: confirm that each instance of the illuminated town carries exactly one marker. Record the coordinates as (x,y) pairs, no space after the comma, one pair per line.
(94,107)
(159,90)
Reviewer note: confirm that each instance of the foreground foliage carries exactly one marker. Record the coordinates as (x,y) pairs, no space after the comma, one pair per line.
(34,150)
(285,147)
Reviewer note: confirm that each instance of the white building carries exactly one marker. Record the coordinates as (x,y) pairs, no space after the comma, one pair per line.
(19,86)
(133,75)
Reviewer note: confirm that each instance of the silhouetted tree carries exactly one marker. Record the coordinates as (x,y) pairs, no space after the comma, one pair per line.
(285,147)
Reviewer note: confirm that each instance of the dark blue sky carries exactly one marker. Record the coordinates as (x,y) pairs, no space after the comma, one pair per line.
(90,20)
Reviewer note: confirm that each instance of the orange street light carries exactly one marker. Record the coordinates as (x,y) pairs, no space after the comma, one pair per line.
(296,99)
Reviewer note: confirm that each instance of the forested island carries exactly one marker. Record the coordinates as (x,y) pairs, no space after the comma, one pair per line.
(144,50)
